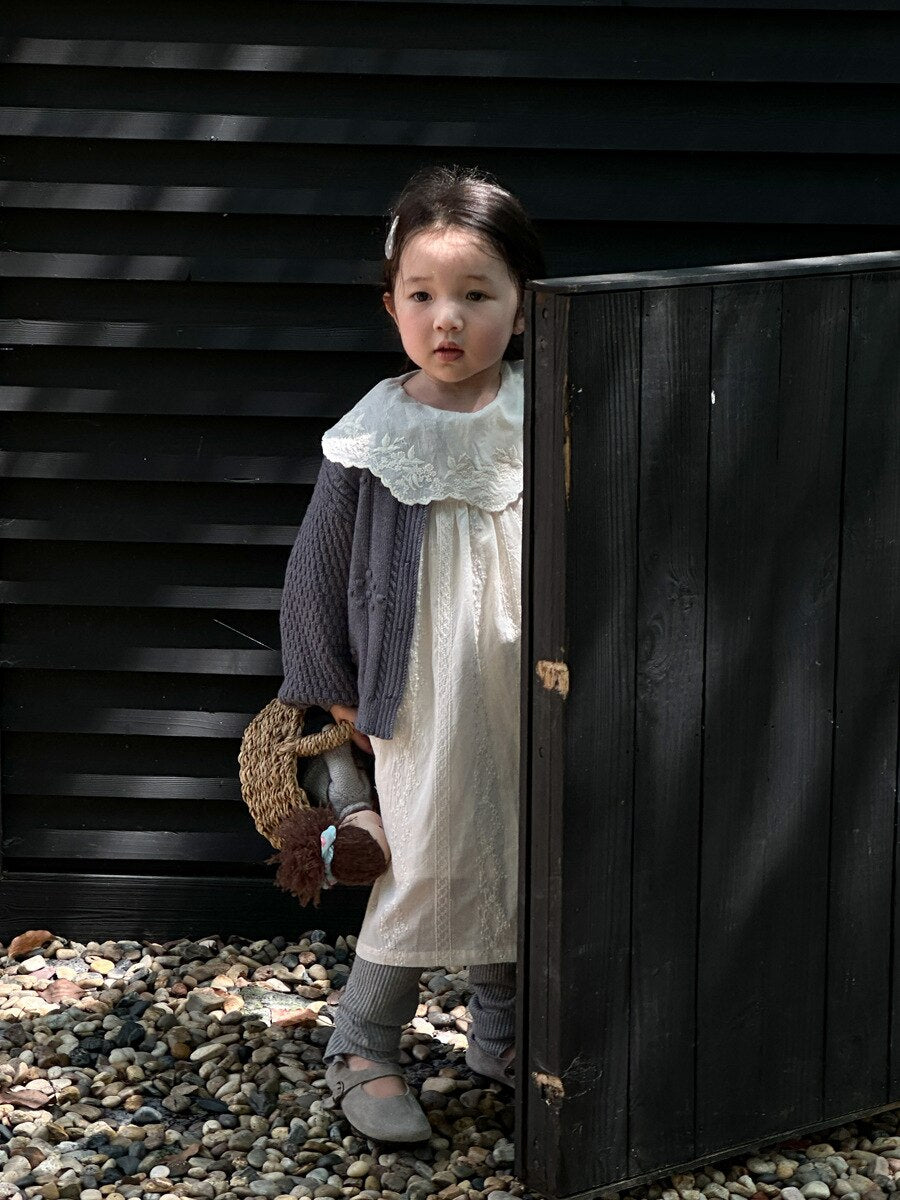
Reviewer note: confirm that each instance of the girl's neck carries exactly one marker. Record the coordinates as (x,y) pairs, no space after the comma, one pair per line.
(466,397)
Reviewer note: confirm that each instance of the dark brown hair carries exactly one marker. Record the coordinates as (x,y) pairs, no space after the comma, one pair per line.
(441,197)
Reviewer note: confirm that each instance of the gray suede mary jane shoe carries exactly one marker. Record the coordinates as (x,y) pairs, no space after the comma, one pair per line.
(385,1118)
(490,1066)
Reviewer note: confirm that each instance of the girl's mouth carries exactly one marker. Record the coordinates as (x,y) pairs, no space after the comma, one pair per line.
(448,353)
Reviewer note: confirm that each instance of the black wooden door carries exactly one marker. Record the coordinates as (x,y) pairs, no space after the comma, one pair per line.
(709,944)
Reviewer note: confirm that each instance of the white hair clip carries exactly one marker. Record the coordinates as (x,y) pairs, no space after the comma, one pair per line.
(389,240)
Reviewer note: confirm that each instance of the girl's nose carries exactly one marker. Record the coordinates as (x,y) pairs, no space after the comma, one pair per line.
(447,317)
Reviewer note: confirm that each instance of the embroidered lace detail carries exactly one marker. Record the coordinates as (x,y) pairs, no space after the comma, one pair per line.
(448,780)
(421,453)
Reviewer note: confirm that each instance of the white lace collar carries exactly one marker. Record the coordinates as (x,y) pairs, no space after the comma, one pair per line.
(421,453)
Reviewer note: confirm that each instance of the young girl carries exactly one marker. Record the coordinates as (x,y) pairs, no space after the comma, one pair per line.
(402,614)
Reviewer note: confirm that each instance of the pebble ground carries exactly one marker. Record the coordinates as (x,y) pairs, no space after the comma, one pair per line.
(148,1071)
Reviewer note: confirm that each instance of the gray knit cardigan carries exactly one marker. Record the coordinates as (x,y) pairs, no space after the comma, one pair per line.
(350,598)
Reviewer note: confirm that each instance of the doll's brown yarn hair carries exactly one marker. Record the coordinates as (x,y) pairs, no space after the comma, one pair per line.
(357,858)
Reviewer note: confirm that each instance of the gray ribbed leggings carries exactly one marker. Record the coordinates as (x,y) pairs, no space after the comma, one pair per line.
(378,1000)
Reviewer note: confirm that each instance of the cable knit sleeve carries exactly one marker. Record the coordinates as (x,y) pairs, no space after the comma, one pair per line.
(315,646)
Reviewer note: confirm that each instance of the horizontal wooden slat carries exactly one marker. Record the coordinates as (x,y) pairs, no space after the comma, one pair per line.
(612,117)
(124,844)
(688,51)
(837,264)
(755,5)
(159,467)
(121,905)
(186,402)
(142,787)
(249,21)
(164,660)
(127,197)
(150,334)
(780,5)
(182,268)
(139,722)
(121,594)
(658,188)
(151,529)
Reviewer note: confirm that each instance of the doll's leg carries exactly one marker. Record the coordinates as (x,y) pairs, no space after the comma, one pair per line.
(376,1003)
(492,1007)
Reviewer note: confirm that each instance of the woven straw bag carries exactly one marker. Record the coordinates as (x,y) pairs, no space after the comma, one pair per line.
(270,748)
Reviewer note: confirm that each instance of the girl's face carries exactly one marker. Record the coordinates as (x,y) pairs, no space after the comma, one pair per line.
(456,306)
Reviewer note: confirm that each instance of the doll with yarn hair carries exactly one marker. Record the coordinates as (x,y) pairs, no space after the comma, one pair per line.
(340,839)
(316,805)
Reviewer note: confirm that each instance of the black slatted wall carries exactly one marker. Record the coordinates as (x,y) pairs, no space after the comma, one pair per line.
(193,200)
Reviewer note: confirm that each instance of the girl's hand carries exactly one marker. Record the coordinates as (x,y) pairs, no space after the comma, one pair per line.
(344,712)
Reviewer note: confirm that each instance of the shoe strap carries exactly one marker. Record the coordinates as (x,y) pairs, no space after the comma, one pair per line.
(349,1078)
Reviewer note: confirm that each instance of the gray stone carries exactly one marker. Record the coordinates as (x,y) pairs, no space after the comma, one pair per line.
(394,1181)
(263,1187)
(760,1166)
(791,1193)
(504,1152)
(15,1169)
(146,1115)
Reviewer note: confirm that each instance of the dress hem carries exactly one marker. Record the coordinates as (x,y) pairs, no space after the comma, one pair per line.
(475,958)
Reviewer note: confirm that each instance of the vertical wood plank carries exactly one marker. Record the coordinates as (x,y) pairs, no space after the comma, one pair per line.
(539,1148)
(775,441)
(595,926)
(861,1056)
(525,963)
(669,694)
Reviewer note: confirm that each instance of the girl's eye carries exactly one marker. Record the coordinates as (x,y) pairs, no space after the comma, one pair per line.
(477,296)
(419,296)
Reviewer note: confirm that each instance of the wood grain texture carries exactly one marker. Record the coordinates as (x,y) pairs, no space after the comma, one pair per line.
(159,467)
(604,388)
(100,595)
(145,787)
(585,486)
(722,517)
(663,187)
(820,47)
(14,528)
(526,963)
(576,115)
(123,845)
(770,622)
(141,722)
(671,601)
(838,264)
(186,402)
(199,660)
(87,906)
(539,1150)
(861,1042)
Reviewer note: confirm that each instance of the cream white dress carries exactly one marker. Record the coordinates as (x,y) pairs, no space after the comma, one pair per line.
(448,780)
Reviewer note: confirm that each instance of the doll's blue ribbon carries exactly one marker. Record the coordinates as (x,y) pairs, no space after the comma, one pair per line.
(326,841)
